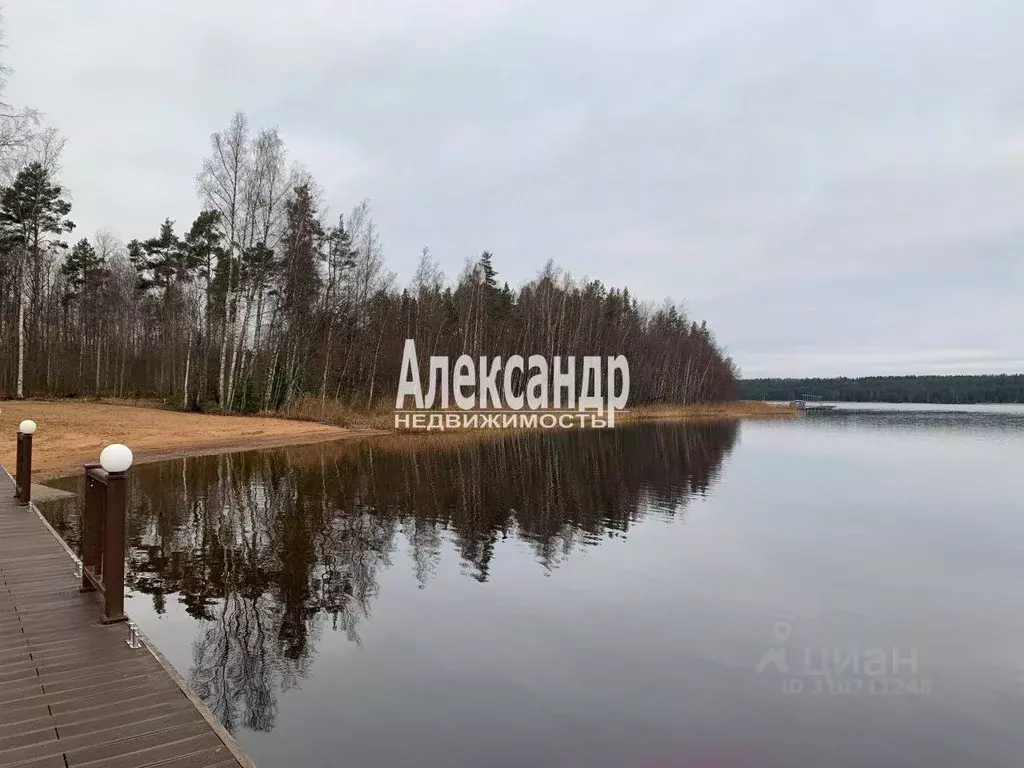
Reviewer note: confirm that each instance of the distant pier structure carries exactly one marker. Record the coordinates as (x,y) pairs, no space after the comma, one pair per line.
(811,403)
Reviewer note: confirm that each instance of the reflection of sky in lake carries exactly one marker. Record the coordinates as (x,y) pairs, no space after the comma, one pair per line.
(637,643)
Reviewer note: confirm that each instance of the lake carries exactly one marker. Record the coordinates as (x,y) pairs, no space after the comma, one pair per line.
(842,589)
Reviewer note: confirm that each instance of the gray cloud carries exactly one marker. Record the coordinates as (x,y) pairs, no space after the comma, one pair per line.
(836,187)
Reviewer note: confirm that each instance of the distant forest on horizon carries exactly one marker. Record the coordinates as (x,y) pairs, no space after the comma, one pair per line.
(956,389)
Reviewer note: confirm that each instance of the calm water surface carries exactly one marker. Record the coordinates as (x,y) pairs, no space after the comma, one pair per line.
(840,590)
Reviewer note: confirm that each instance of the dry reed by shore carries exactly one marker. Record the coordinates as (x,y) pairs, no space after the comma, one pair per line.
(330,412)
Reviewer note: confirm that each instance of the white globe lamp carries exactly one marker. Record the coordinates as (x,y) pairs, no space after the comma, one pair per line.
(27,427)
(116,458)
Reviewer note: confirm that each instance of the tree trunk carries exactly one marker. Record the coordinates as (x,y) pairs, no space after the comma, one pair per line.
(228,331)
(188,366)
(99,347)
(20,387)
(376,355)
(236,351)
(327,362)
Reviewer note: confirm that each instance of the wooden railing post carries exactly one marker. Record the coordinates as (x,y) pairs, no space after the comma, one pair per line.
(17,467)
(92,529)
(102,540)
(23,463)
(25,496)
(113,549)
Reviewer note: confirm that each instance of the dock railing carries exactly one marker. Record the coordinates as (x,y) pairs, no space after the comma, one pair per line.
(102,535)
(23,463)
(139,738)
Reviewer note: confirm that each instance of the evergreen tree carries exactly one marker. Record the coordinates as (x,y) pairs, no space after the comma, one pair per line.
(341,257)
(300,287)
(32,210)
(165,260)
(204,244)
(80,270)
(33,215)
(488,270)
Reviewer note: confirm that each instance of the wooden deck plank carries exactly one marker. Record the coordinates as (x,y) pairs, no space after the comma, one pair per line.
(72,693)
(125,700)
(100,707)
(109,740)
(54,761)
(31,724)
(160,709)
(64,653)
(28,738)
(208,758)
(143,750)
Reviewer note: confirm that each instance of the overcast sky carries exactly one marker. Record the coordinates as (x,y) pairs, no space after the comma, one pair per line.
(836,186)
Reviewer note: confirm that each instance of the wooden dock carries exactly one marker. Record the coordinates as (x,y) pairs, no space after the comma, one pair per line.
(72,691)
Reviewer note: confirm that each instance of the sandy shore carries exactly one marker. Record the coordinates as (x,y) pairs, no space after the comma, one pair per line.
(71,433)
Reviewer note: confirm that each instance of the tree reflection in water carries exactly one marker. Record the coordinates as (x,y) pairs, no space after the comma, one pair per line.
(270,549)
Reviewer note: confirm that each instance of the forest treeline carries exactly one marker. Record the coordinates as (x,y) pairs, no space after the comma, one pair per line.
(265,298)
(892,389)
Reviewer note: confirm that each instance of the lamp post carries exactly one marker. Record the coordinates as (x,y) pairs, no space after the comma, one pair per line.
(103,529)
(23,463)
(116,460)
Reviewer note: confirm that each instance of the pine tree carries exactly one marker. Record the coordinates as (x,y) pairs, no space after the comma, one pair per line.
(79,271)
(340,253)
(488,270)
(301,245)
(33,214)
(206,250)
(165,260)
(85,277)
